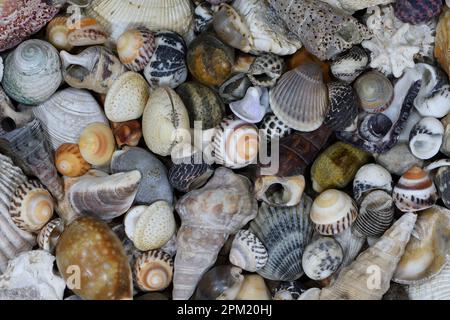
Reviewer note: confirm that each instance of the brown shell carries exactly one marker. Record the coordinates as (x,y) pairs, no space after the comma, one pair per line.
(69,161)
(57,33)
(442,45)
(97,143)
(153,271)
(302,56)
(86,32)
(127,133)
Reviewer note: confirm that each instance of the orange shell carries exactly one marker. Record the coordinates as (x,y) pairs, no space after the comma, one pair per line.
(70,162)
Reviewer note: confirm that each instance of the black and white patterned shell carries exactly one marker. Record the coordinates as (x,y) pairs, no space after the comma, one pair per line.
(167,66)
(343,106)
(187,176)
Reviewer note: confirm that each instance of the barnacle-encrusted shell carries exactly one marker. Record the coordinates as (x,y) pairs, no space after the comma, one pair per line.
(371,177)
(97,143)
(266,70)
(375,91)
(248,252)
(136,47)
(344,105)
(348,66)
(48,237)
(283,192)
(322,258)
(351,6)
(153,271)
(69,161)
(426,138)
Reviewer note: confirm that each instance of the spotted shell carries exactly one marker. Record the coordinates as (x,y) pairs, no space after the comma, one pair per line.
(153,271)
(266,70)
(322,258)
(274,128)
(371,177)
(136,47)
(97,144)
(348,66)
(344,106)
(48,237)
(333,211)
(86,32)
(375,91)
(248,252)
(69,161)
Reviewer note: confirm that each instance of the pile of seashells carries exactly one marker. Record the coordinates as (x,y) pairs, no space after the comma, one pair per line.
(134,137)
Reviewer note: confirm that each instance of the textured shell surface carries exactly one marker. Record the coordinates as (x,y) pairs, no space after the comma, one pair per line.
(220,283)
(32,72)
(351,244)
(248,252)
(417,12)
(375,91)
(48,237)
(285,232)
(266,70)
(371,177)
(349,65)
(167,66)
(118,16)
(69,161)
(254,106)
(426,138)
(153,271)
(189,176)
(351,6)
(398,160)
(322,258)
(300,98)
(135,48)
(274,128)
(30,276)
(343,111)
(86,32)
(283,192)
(203,17)
(436,288)
(68,108)
(445,148)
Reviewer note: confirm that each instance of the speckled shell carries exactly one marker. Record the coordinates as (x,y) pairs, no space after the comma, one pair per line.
(348,66)
(426,137)
(68,108)
(97,144)
(266,70)
(153,271)
(32,72)
(285,232)
(167,66)
(344,106)
(165,121)
(202,104)
(375,91)
(135,48)
(48,237)
(274,128)
(417,11)
(337,166)
(248,252)
(333,211)
(322,258)
(69,161)
(186,177)
(127,97)
(209,60)
(89,247)
(57,32)
(300,98)
(371,177)
(86,32)
(127,133)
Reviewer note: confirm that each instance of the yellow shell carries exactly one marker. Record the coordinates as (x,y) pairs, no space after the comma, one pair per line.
(135,48)
(57,33)
(153,271)
(70,162)
(97,144)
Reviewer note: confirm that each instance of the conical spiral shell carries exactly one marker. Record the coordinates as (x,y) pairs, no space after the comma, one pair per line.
(48,237)
(153,271)
(248,252)
(69,161)
(97,144)
(136,47)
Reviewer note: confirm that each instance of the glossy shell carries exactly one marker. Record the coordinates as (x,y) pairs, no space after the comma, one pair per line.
(426,137)
(220,283)
(127,133)
(69,161)
(375,91)
(371,177)
(322,258)
(135,48)
(186,177)
(97,144)
(48,237)
(266,70)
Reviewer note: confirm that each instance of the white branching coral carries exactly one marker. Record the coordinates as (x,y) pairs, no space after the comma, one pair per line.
(395,44)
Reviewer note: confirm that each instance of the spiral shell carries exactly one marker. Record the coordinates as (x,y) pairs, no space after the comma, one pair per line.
(248,252)
(375,126)
(375,91)
(333,211)
(371,177)
(136,47)
(348,66)
(86,32)
(32,72)
(69,161)
(266,70)
(48,237)
(426,138)
(415,191)
(344,106)
(97,144)
(153,271)
(322,258)
(31,206)
(57,33)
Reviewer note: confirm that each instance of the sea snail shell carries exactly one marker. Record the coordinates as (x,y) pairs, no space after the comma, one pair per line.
(248,252)
(153,271)
(97,144)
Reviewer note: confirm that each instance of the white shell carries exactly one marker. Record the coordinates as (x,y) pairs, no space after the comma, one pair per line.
(351,6)
(68,108)
(248,252)
(394,44)
(370,177)
(30,277)
(437,288)
(426,138)
(1,69)
(253,107)
(267,189)
(322,258)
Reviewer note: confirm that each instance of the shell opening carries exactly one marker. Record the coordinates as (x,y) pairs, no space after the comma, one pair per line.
(8,124)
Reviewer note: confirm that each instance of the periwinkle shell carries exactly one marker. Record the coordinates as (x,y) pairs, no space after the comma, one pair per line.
(220,283)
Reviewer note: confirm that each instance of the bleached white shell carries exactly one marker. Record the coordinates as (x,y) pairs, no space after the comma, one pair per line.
(426,138)
(351,6)
(437,288)
(248,252)
(253,107)
(322,258)
(370,177)
(68,108)
(30,277)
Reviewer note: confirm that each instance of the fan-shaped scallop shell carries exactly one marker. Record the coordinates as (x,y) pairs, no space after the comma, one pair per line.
(248,252)
(348,66)
(322,258)
(300,98)
(375,91)
(69,161)
(153,271)
(344,106)
(48,237)
(135,48)
(371,177)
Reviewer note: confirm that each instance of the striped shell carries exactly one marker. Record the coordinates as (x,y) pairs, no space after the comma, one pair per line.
(348,66)
(300,98)
(266,70)
(371,177)
(86,32)
(49,235)
(153,271)
(188,176)
(375,91)
(437,288)
(415,191)
(333,211)
(57,32)
(322,258)
(284,232)
(274,128)
(136,47)
(69,161)
(97,144)
(248,252)
(344,106)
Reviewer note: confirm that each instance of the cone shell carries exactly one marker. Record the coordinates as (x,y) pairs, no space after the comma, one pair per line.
(57,33)
(49,235)
(371,177)
(415,191)
(153,271)
(69,161)
(300,98)
(135,48)
(248,252)
(127,97)
(437,288)
(97,144)
(86,32)
(375,91)
(285,232)
(322,258)
(267,189)
(333,211)
(127,133)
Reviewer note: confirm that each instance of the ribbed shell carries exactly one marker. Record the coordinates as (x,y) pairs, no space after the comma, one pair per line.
(49,235)
(437,288)
(371,177)
(285,232)
(185,177)
(248,252)
(300,98)
(343,106)
(68,108)
(153,271)
(350,65)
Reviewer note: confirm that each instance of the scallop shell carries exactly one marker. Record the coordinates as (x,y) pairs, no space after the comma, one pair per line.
(415,191)
(280,192)
(348,66)
(375,91)
(150,227)
(371,177)
(153,271)
(167,66)
(32,72)
(165,121)
(426,138)
(117,16)
(68,108)
(235,88)
(97,144)
(248,252)
(127,133)
(322,258)
(86,32)
(220,283)
(266,70)
(284,232)
(69,162)
(253,107)
(48,237)
(343,112)
(417,12)
(437,288)
(186,177)
(57,33)
(127,97)
(300,98)
(135,48)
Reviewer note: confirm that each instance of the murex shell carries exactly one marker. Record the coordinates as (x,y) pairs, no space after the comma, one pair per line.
(322,258)
(248,252)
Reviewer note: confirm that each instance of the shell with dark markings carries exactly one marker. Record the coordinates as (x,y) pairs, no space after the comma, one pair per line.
(348,66)
(234,88)
(374,126)
(188,176)
(371,177)
(248,252)
(343,111)
(266,70)
(322,258)
(274,128)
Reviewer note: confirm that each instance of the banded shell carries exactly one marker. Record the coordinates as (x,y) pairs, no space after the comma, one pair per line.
(153,271)
(274,128)
(31,206)
(86,32)
(426,138)
(127,133)
(300,98)
(97,144)
(57,33)
(280,192)
(165,122)
(371,177)
(375,91)
(348,66)
(322,258)
(415,191)
(220,283)
(376,214)
(266,70)
(135,48)
(189,176)
(248,252)
(127,97)
(48,237)
(32,72)
(333,211)
(284,232)
(69,161)
(343,112)
(254,106)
